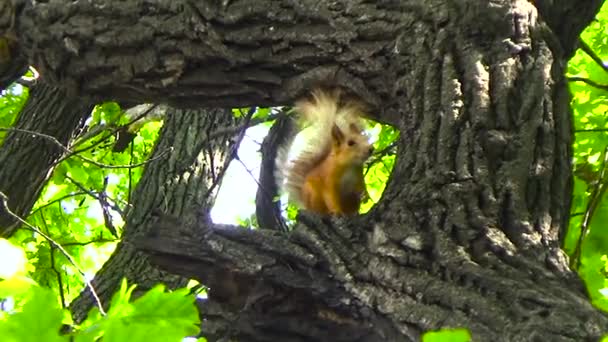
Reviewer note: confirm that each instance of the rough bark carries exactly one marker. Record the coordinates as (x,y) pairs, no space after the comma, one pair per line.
(242,53)
(468,231)
(212,53)
(178,184)
(28,160)
(12,63)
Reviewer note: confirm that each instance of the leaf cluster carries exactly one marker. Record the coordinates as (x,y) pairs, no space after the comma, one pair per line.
(33,312)
(586,241)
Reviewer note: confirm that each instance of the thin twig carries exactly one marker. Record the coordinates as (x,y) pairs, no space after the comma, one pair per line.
(112,132)
(377,156)
(100,240)
(55,270)
(587,49)
(55,201)
(72,153)
(265,193)
(4,201)
(252,122)
(588,81)
(233,151)
(594,200)
(591,130)
(97,195)
(130,174)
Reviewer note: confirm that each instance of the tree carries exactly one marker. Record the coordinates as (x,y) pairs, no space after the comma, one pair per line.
(469,228)
(28,164)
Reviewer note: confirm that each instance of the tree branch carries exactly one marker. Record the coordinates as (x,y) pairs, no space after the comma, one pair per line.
(589,82)
(251,274)
(587,49)
(195,54)
(567,19)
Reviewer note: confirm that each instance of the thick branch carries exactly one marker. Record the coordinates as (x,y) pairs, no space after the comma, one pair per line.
(568,19)
(263,285)
(208,52)
(361,284)
(468,231)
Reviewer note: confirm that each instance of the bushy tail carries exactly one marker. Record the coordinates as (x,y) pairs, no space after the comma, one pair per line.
(281,169)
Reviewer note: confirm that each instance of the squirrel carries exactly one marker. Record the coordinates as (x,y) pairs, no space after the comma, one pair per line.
(326,174)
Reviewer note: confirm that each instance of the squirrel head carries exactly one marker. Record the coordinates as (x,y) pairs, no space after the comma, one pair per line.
(350,147)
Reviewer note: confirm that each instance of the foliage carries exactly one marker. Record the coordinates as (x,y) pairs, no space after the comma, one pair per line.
(83,205)
(83,208)
(11,102)
(589,106)
(381,163)
(447,335)
(37,314)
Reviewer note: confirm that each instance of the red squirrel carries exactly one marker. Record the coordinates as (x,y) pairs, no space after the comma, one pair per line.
(326,175)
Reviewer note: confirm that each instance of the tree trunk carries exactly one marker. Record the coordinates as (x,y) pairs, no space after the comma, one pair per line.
(180,182)
(468,231)
(28,160)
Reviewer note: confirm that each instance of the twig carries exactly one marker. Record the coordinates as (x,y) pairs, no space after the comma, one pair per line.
(86,137)
(100,240)
(55,201)
(55,270)
(591,130)
(4,201)
(377,156)
(28,83)
(595,198)
(265,192)
(58,275)
(130,174)
(588,81)
(587,49)
(97,196)
(252,122)
(72,153)
(233,150)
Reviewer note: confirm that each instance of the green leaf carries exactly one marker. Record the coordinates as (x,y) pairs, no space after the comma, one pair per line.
(447,335)
(40,319)
(155,316)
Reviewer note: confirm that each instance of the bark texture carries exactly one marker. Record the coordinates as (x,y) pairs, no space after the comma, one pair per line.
(470,224)
(178,184)
(468,231)
(28,160)
(12,63)
(212,53)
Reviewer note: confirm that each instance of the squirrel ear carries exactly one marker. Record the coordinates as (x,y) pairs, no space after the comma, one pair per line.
(354,128)
(337,134)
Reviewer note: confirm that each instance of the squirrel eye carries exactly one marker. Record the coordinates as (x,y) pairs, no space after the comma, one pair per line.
(351,142)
